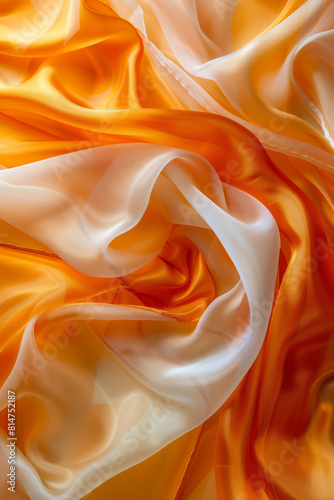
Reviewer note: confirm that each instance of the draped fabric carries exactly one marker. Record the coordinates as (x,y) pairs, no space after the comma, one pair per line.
(166,249)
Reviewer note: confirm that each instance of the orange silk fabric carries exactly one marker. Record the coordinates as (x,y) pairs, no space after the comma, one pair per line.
(78,76)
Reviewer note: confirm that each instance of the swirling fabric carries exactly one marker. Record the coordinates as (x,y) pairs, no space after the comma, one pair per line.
(166,240)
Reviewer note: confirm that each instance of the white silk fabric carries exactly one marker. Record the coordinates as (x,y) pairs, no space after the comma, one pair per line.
(144,390)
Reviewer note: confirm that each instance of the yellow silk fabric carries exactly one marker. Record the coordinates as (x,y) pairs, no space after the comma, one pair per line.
(77,76)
